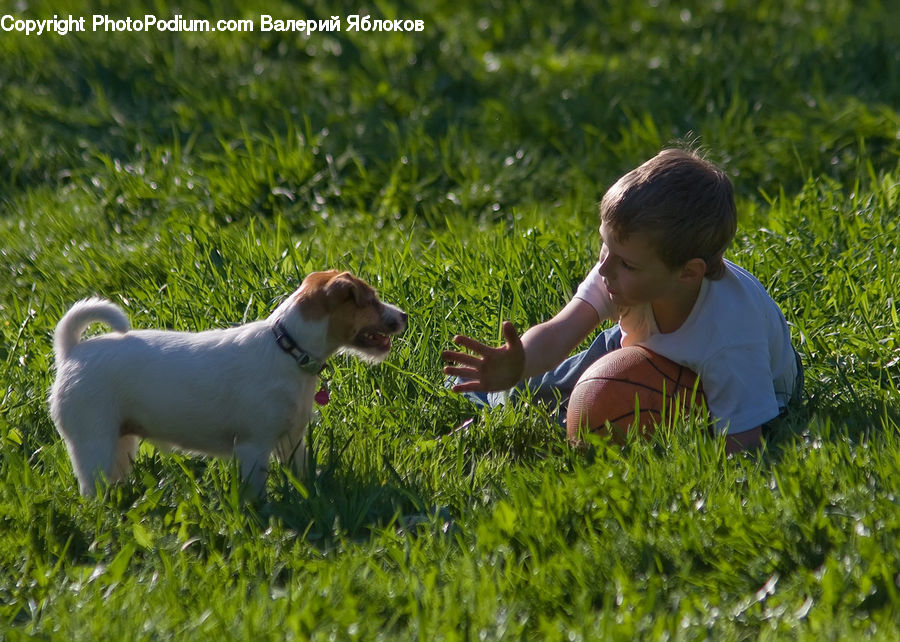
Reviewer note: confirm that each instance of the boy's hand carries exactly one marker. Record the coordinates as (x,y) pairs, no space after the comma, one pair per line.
(489,369)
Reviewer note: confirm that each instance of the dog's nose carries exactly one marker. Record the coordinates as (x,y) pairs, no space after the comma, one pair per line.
(399,323)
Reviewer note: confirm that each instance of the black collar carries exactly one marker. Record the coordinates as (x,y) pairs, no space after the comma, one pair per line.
(304,359)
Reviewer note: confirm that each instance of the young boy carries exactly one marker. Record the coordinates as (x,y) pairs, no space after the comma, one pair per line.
(661,275)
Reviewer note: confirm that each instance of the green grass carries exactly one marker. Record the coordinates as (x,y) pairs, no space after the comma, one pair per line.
(196,178)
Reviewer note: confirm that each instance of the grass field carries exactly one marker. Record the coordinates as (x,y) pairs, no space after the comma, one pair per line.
(195,178)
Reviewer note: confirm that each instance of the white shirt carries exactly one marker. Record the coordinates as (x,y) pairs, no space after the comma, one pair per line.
(735,338)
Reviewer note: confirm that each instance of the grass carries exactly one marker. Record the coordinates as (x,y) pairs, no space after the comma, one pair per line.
(196,178)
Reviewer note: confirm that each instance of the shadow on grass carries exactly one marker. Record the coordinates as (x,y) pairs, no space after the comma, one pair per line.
(336,503)
(829,412)
(186,502)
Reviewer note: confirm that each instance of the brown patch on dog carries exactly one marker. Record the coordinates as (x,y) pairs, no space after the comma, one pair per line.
(356,317)
(311,297)
(348,319)
(322,292)
(345,286)
(353,306)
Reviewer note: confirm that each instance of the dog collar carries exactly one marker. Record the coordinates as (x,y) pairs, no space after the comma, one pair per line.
(304,359)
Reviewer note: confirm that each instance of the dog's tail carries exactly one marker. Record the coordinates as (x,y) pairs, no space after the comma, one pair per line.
(80,316)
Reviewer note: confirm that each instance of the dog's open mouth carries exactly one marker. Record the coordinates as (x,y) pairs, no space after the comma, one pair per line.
(373,340)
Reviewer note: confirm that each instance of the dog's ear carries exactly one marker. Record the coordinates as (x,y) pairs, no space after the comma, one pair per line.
(344,287)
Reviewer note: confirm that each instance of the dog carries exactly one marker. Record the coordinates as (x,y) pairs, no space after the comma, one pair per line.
(245,391)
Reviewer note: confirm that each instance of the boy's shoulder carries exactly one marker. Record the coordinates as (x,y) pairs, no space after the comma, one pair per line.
(740,272)
(737,286)
(735,310)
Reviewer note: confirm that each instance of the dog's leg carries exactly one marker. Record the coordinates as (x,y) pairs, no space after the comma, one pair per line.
(126,451)
(253,461)
(91,433)
(291,450)
(93,461)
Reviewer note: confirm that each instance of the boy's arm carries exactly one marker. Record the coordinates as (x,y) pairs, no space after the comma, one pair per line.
(541,348)
(547,344)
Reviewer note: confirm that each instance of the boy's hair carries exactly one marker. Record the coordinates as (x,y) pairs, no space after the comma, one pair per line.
(685,205)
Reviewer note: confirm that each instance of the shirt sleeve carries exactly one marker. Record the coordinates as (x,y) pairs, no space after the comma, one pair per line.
(739,391)
(594,292)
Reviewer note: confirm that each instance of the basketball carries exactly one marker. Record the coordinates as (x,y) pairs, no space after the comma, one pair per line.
(607,390)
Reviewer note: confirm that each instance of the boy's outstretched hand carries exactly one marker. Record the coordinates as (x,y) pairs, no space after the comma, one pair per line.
(489,369)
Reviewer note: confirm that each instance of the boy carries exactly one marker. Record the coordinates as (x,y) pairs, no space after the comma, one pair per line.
(664,229)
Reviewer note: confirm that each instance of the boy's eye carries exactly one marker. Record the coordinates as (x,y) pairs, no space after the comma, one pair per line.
(627,266)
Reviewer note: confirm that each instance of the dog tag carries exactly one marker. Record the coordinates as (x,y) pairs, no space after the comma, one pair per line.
(322,396)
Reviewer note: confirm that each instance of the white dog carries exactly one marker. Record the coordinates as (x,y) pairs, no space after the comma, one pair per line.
(245,391)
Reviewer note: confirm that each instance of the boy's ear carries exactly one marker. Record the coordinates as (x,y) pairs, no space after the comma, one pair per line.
(695,269)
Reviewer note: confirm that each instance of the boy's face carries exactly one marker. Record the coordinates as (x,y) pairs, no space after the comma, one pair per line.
(632,270)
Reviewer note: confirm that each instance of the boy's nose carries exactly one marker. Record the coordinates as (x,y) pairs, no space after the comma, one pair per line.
(604,260)
(605,267)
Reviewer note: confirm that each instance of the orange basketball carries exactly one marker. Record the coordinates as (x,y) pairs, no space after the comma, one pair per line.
(606,393)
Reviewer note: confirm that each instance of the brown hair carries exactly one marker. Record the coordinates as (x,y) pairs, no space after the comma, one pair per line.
(683,202)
